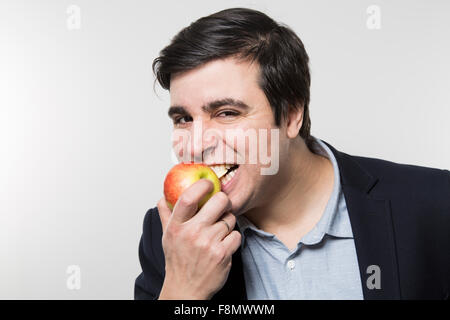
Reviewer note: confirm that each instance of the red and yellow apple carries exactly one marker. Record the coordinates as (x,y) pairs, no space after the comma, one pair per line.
(182,175)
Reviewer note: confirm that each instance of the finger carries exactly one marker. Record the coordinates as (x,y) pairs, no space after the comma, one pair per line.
(232,242)
(187,205)
(213,209)
(219,230)
(164,212)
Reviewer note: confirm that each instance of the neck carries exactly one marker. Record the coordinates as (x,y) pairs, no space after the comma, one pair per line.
(299,196)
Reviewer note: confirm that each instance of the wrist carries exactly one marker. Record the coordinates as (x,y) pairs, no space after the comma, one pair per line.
(177,293)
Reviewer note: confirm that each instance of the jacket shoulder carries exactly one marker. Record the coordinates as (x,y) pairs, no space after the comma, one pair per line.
(419,196)
(407,179)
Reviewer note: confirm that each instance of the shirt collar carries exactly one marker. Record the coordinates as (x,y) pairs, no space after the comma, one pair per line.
(334,221)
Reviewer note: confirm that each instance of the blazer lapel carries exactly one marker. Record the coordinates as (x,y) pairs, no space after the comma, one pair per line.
(372,227)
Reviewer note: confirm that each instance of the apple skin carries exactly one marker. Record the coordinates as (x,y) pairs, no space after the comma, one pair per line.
(182,175)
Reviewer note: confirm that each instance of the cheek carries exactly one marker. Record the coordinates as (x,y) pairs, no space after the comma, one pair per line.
(269,144)
(182,141)
(253,144)
(244,142)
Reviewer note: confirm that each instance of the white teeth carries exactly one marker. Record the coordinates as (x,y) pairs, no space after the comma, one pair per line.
(220,169)
(228,177)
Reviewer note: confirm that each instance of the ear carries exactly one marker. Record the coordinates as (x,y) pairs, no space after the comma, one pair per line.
(294,122)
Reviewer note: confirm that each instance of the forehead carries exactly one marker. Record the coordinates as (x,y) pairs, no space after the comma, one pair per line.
(218,79)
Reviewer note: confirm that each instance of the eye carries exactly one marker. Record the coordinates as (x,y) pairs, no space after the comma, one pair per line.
(227,113)
(182,120)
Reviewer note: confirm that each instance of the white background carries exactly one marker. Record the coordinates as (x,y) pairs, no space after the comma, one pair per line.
(85,141)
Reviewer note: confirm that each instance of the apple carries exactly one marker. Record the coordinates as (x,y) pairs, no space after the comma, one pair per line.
(182,175)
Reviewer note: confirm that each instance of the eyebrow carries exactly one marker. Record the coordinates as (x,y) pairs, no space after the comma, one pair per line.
(211,106)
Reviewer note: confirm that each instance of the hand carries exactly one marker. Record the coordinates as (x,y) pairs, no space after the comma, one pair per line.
(197,246)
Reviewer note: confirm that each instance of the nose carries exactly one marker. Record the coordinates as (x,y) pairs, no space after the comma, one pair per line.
(203,142)
(196,143)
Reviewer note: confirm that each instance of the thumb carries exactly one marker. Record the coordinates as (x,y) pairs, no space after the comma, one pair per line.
(164,212)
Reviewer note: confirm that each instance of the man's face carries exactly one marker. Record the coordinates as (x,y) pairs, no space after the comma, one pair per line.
(224,96)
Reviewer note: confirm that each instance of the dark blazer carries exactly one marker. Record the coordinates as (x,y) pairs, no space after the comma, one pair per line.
(400,217)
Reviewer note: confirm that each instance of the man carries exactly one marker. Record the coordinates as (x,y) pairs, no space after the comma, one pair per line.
(327,225)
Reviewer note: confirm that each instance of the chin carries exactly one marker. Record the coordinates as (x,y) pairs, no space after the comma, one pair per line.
(241,196)
(239,186)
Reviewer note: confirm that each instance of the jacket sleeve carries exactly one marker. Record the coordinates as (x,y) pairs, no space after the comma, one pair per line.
(151,257)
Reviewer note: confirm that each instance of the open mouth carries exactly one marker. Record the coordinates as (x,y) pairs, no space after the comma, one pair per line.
(225,172)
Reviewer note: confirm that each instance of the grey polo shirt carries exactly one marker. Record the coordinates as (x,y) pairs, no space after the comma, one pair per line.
(323,265)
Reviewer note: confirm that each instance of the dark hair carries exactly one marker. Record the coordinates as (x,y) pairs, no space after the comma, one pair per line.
(250,35)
